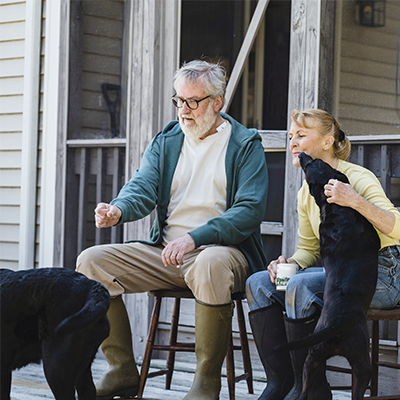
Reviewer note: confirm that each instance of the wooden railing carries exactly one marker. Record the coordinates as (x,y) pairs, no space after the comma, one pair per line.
(97,173)
(381,155)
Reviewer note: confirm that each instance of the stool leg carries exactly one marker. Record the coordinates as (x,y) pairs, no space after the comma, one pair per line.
(149,346)
(230,369)
(245,346)
(374,358)
(173,334)
(353,383)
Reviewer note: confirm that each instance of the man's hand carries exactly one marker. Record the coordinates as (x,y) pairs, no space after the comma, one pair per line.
(106,215)
(174,251)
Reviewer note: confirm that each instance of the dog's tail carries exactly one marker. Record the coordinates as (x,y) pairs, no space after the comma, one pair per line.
(98,302)
(308,341)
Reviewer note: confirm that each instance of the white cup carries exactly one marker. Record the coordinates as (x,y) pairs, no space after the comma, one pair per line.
(284,273)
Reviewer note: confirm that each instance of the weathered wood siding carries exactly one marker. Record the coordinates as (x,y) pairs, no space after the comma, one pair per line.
(303,93)
(12,47)
(151,66)
(367,69)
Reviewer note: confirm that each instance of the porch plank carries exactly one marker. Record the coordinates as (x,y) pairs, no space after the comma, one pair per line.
(29,383)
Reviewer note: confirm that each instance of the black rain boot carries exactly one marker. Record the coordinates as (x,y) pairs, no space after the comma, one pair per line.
(319,389)
(269,331)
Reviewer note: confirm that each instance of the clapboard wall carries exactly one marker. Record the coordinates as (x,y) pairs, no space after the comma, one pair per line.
(12,47)
(367,68)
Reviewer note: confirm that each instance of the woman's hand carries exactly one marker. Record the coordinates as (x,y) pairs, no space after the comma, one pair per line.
(341,193)
(273,267)
(344,195)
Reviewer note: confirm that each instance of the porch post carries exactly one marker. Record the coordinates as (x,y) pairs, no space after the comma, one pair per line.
(30,134)
(303,93)
(55,104)
(153,43)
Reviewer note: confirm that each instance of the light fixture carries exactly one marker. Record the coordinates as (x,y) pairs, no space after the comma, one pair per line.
(371,12)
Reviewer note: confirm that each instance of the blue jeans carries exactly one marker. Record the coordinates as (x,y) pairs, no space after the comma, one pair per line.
(304,292)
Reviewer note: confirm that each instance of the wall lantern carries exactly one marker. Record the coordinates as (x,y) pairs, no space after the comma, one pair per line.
(371,13)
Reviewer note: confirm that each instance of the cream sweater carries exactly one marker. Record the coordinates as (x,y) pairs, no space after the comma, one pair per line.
(198,191)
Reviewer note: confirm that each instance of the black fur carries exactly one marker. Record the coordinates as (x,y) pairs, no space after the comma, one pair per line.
(55,315)
(349,246)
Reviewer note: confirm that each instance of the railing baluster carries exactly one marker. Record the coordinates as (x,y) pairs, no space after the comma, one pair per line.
(82,199)
(116,182)
(360,154)
(384,164)
(100,187)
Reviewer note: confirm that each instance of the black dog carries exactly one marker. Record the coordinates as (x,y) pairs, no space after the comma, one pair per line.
(56,315)
(349,247)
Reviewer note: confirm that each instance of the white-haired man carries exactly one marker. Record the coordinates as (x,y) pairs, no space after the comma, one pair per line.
(207,179)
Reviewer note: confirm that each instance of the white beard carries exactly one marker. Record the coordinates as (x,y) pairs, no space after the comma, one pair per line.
(201,126)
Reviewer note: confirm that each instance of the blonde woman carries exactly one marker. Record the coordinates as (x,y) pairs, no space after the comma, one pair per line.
(318,134)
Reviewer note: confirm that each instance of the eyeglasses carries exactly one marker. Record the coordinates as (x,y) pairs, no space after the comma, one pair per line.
(191,103)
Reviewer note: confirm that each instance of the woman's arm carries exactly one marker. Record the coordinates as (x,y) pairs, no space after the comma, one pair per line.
(344,195)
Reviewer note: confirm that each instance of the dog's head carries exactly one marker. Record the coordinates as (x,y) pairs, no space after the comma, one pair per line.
(318,174)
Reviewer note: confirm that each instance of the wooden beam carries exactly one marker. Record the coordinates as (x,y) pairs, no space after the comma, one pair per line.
(271,228)
(55,104)
(244,52)
(153,39)
(275,140)
(96,143)
(303,93)
(30,134)
(374,139)
(327,59)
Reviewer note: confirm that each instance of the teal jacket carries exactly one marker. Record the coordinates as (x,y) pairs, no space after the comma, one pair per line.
(246,193)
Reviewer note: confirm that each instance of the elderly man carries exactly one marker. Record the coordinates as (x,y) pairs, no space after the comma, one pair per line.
(207,179)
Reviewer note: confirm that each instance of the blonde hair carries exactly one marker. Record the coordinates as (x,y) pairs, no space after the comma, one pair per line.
(326,125)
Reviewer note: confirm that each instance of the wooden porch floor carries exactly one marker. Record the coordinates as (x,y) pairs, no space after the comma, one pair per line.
(29,383)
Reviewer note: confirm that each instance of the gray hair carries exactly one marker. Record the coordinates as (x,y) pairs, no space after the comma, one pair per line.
(213,75)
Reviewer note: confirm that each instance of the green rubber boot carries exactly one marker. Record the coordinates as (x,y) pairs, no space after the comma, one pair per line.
(213,330)
(122,376)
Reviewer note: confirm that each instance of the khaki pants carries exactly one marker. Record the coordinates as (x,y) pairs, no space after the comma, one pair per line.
(212,273)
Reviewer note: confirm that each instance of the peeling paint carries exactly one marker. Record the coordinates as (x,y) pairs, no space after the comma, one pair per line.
(298,17)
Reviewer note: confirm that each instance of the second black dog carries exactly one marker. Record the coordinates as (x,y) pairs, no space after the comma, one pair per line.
(55,315)
(349,246)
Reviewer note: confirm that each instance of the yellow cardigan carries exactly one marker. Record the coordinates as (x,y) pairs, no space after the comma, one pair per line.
(367,185)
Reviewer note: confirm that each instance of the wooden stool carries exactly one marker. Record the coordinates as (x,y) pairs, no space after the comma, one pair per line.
(375,316)
(175,346)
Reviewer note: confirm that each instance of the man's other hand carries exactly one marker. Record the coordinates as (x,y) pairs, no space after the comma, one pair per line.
(174,251)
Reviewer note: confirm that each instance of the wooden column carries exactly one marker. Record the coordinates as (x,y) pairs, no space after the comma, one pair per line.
(54,134)
(30,135)
(152,63)
(303,93)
